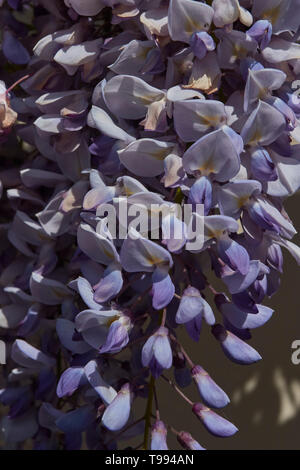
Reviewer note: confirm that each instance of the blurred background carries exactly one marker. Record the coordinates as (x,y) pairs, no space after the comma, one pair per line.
(265,397)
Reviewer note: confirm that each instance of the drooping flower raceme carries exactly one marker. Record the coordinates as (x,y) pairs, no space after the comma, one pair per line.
(134,110)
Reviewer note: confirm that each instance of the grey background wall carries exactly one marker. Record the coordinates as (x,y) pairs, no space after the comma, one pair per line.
(265,397)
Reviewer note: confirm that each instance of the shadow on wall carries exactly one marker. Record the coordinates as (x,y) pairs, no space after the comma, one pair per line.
(265,397)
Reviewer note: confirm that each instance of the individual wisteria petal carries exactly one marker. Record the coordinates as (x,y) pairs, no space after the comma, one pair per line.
(87,293)
(269,217)
(193,118)
(263,126)
(262,166)
(117,413)
(234,196)
(217,226)
(94,324)
(145,157)
(78,54)
(28,356)
(128,97)
(234,254)
(163,289)
(234,46)
(280,50)
(132,58)
(261,31)
(193,327)
(260,84)
(13,49)
(157,352)
(110,284)
(140,254)
(211,394)
(11,315)
(173,233)
(225,12)
(95,246)
(191,305)
(201,43)
(174,172)
(105,391)
(280,14)
(100,120)
(234,348)
(66,330)
(188,442)
(117,336)
(213,155)
(214,423)
(238,282)
(48,291)
(69,381)
(159,436)
(242,320)
(88,8)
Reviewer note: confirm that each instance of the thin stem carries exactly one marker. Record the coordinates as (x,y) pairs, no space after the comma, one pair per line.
(187,357)
(156,404)
(177,390)
(164,317)
(16,83)
(140,445)
(173,430)
(148,412)
(214,291)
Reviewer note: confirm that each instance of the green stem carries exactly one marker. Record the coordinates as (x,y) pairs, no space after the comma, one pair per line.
(148,412)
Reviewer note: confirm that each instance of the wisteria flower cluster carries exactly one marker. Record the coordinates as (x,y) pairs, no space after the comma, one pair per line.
(168,102)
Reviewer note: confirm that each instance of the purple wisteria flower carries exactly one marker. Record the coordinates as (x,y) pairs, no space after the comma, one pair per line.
(149,150)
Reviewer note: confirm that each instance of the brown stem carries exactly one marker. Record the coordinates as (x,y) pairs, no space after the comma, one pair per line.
(177,390)
(187,357)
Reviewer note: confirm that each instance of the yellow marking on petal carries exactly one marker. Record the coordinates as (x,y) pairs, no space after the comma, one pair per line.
(160,154)
(242,200)
(214,233)
(207,168)
(43,236)
(191,25)
(144,52)
(255,138)
(126,191)
(153,260)
(108,253)
(112,319)
(262,92)
(59,292)
(239,51)
(212,120)
(272,14)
